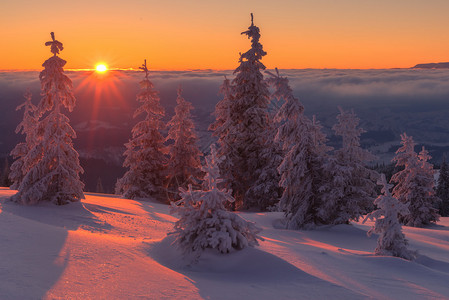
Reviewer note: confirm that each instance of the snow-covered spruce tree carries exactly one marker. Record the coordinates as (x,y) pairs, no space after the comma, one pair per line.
(443,189)
(245,122)
(204,221)
(27,127)
(220,129)
(391,239)
(267,183)
(145,152)
(52,164)
(302,169)
(272,154)
(415,185)
(265,193)
(350,190)
(425,210)
(184,166)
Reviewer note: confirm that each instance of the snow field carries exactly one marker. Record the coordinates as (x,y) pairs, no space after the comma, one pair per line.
(111,248)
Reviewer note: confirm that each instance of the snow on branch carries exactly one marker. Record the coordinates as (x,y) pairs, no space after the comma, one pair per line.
(55,45)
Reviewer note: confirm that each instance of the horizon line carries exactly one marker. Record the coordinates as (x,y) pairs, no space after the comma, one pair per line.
(208,69)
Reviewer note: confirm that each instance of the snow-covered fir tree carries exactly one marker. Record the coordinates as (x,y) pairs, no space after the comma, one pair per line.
(245,122)
(443,189)
(145,152)
(184,166)
(272,155)
(350,190)
(265,193)
(27,127)
(415,184)
(52,164)
(391,240)
(302,169)
(221,127)
(424,211)
(204,221)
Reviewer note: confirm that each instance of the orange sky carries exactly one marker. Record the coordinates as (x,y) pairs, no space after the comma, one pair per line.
(199,34)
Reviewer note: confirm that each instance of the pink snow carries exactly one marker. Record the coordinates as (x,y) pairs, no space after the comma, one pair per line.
(110,248)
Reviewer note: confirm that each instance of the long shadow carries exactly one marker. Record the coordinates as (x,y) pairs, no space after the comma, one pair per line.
(32,239)
(431,263)
(71,216)
(247,274)
(153,213)
(343,236)
(436,227)
(104,209)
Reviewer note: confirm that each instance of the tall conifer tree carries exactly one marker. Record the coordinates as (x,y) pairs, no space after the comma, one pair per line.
(350,189)
(5,181)
(184,166)
(28,127)
(52,164)
(415,184)
(443,189)
(302,169)
(99,188)
(245,122)
(145,152)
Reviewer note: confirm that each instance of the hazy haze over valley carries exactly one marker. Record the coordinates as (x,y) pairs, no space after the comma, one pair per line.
(388,102)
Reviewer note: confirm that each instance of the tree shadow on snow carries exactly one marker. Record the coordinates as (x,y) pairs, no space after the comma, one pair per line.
(346,236)
(32,245)
(152,207)
(431,263)
(436,227)
(104,209)
(249,273)
(71,216)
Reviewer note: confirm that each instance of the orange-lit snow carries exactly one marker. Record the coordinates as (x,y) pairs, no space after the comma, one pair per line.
(111,248)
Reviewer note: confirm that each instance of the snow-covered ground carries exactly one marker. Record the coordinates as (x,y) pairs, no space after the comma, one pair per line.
(111,248)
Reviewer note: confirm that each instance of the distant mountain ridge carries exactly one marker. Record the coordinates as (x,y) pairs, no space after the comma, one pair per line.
(440,65)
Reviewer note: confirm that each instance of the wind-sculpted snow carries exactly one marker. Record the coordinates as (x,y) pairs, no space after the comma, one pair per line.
(110,248)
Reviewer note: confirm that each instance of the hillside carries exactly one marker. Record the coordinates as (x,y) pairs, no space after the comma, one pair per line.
(111,248)
(441,65)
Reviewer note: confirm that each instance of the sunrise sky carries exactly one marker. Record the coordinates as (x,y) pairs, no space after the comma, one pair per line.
(200,34)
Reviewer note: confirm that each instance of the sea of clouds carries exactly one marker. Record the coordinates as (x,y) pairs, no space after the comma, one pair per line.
(388,102)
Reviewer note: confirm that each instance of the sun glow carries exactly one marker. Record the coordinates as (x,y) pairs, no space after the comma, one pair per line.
(101,68)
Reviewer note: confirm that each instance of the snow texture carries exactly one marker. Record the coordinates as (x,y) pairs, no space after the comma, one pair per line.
(105,247)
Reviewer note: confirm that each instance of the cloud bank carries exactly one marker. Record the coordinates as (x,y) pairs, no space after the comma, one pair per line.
(390,101)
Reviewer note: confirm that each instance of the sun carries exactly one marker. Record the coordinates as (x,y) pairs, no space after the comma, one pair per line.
(101,68)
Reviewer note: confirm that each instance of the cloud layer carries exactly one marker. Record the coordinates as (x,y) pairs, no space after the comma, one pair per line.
(396,100)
